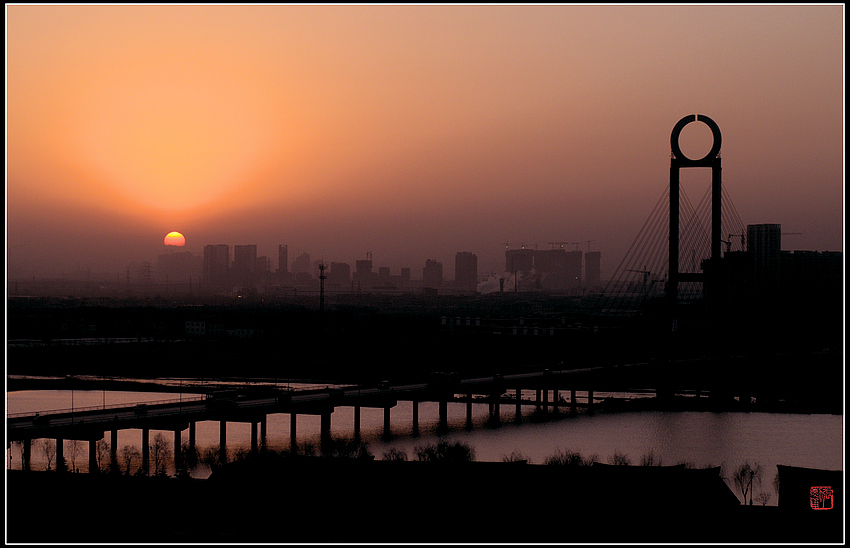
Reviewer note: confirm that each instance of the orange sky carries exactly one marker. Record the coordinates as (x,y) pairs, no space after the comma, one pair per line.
(412,132)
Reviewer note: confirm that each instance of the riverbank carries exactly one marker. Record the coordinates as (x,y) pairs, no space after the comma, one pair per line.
(343,500)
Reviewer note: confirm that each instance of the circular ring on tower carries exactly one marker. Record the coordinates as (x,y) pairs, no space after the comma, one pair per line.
(677,130)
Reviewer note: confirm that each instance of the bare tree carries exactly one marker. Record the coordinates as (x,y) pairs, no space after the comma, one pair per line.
(570,458)
(129,454)
(48,447)
(649,459)
(73,453)
(515,456)
(745,476)
(445,451)
(102,453)
(619,459)
(395,454)
(763,498)
(161,453)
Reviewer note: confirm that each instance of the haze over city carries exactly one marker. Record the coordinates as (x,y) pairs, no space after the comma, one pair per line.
(411,132)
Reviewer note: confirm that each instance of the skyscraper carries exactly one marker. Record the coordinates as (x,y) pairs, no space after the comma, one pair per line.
(244,263)
(764,243)
(282,260)
(432,274)
(466,270)
(216,264)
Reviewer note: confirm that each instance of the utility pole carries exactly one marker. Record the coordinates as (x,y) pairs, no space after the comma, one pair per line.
(322,286)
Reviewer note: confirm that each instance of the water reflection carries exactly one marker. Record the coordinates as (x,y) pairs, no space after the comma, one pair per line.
(699,438)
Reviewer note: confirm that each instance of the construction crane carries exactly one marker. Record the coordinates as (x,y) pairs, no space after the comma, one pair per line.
(368,255)
(588,245)
(562,244)
(645,273)
(576,244)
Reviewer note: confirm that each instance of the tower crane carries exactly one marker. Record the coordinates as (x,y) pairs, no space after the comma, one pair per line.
(562,244)
(645,273)
(588,245)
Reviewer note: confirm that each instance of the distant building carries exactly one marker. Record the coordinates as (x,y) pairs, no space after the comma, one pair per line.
(432,274)
(339,274)
(764,242)
(363,275)
(519,260)
(301,263)
(244,264)
(216,264)
(592,269)
(282,260)
(179,267)
(466,270)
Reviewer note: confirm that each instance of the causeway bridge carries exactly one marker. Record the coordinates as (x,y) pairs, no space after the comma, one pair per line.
(255,403)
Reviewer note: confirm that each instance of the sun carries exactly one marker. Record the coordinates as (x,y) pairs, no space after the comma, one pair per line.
(174,238)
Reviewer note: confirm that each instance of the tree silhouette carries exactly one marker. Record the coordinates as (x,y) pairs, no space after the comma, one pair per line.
(161,453)
(745,476)
(445,451)
(619,459)
(129,454)
(48,447)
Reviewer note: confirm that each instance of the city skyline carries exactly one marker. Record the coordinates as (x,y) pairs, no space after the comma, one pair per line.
(411,132)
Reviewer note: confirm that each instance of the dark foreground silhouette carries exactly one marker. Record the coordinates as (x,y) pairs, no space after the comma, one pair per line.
(315,499)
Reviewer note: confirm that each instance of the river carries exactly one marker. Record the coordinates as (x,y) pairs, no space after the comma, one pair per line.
(725,439)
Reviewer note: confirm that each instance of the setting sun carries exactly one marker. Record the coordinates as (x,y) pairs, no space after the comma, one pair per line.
(175,238)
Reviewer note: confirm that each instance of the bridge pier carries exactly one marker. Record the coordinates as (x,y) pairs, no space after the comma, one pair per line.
(146,451)
(192,451)
(254,443)
(263,431)
(293,445)
(357,422)
(325,429)
(469,411)
(178,456)
(573,409)
(222,441)
(537,397)
(495,411)
(60,455)
(554,400)
(113,451)
(387,431)
(415,405)
(93,468)
(26,454)
(590,402)
(518,404)
(444,415)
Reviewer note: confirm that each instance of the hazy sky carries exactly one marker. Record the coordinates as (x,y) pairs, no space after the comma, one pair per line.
(413,132)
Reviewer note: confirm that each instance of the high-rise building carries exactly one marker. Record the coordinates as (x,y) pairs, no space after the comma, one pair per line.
(301,264)
(339,274)
(592,269)
(764,243)
(519,260)
(244,261)
(466,270)
(282,260)
(363,273)
(432,274)
(216,264)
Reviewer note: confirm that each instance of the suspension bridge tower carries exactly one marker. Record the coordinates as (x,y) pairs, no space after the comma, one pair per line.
(679,161)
